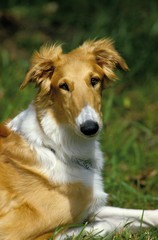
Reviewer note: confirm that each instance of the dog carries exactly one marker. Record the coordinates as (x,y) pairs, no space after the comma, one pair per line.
(50,158)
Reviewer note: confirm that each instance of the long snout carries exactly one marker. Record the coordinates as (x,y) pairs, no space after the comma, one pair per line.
(88,122)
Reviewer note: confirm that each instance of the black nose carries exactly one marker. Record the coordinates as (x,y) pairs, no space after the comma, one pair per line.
(89,127)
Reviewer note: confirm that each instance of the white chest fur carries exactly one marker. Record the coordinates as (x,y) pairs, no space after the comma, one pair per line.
(61,153)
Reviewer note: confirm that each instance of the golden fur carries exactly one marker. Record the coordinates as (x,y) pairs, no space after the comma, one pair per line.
(26,206)
(32,206)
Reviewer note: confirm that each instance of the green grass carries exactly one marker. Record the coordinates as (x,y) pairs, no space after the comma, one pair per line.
(130,134)
(125,235)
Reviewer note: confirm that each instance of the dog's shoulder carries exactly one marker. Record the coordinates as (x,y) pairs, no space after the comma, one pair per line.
(14,147)
(5,136)
(8,137)
(4,130)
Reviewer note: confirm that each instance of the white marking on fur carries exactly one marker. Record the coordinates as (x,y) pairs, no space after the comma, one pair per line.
(88,113)
(60,167)
(26,124)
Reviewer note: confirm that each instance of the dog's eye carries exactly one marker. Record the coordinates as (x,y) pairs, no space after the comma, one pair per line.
(64,86)
(94,81)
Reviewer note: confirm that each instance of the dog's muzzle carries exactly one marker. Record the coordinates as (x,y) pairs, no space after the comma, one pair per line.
(89,128)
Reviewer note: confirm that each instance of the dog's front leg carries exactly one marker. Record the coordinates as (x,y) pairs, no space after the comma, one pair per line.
(134,218)
(111,219)
(98,228)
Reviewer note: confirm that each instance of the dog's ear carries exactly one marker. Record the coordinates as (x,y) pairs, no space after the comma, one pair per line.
(106,56)
(42,66)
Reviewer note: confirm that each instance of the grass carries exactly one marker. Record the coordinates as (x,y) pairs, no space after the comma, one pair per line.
(130,134)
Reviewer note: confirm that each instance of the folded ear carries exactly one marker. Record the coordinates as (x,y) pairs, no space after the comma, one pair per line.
(42,67)
(106,56)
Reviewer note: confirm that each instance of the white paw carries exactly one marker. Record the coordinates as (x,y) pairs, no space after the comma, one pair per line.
(151,216)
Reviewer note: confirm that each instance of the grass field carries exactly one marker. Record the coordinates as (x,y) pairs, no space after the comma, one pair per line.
(130,135)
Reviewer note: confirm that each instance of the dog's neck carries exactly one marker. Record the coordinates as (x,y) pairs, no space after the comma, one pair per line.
(60,140)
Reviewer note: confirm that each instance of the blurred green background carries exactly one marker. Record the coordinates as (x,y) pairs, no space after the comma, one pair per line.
(26,25)
(130,135)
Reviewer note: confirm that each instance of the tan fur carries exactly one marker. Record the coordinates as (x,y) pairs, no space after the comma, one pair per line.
(31,207)
(75,68)
(28,201)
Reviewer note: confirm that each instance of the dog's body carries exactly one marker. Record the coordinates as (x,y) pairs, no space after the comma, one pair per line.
(50,164)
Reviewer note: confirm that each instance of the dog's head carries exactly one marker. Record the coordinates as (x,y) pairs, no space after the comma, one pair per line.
(70,85)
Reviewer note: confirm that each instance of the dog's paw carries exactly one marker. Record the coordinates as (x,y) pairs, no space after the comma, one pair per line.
(151,216)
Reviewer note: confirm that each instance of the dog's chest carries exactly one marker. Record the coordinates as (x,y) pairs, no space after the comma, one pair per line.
(65,204)
(76,191)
